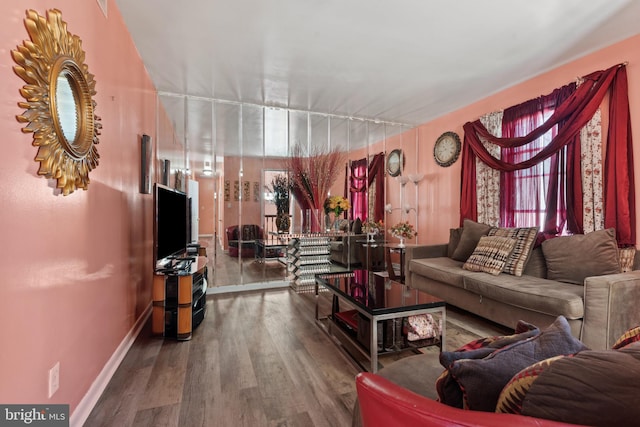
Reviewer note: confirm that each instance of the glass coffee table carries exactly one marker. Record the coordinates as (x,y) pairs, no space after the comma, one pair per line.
(373,300)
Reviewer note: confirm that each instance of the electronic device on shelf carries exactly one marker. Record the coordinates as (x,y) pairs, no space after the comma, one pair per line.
(171,224)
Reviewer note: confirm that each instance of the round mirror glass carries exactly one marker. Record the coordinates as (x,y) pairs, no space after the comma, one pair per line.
(67,107)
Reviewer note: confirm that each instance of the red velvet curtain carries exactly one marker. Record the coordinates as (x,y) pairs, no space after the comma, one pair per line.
(359,197)
(527,192)
(575,112)
(360,183)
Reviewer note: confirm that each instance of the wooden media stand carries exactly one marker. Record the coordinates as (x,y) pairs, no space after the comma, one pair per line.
(179,300)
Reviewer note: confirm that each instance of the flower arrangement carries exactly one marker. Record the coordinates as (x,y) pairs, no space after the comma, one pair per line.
(370,226)
(336,204)
(280,189)
(311,175)
(403,230)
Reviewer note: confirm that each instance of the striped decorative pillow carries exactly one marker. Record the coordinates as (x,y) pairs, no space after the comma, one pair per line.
(490,255)
(525,239)
(513,394)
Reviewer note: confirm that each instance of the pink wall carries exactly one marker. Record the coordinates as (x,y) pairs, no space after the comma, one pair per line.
(439,193)
(77,268)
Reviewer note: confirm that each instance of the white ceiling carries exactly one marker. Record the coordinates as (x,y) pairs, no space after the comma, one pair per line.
(406,61)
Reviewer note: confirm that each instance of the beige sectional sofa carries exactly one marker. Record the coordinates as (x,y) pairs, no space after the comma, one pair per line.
(599,307)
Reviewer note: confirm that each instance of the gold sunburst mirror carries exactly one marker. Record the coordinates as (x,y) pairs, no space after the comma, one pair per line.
(59,107)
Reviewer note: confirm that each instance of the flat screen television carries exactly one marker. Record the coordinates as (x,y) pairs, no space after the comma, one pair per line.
(171,222)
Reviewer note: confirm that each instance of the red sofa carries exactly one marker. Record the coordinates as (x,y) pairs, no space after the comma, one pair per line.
(241,240)
(385,404)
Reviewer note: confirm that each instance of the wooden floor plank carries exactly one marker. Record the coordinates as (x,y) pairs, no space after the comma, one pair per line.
(258,359)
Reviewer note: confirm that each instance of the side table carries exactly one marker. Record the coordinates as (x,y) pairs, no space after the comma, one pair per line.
(371,255)
(395,248)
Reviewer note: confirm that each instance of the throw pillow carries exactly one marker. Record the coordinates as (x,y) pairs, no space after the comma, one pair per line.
(627,259)
(629,337)
(356,227)
(471,233)
(449,391)
(572,259)
(596,388)
(512,395)
(482,380)
(536,266)
(454,239)
(525,239)
(491,255)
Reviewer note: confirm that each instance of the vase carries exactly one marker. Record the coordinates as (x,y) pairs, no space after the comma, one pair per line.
(336,224)
(283,223)
(371,235)
(401,243)
(313,221)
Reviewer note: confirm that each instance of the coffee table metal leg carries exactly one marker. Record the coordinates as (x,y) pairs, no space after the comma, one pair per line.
(374,345)
(443,335)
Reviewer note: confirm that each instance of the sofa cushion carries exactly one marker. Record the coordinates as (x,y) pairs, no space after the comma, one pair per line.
(442,269)
(490,255)
(471,233)
(356,226)
(590,388)
(524,241)
(448,389)
(336,245)
(536,266)
(454,239)
(571,259)
(531,293)
(482,380)
(513,394)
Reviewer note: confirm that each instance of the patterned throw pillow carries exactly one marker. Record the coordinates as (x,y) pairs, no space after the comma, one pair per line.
(525,239)
(631,336)
(490,255)
(512,395)
(627,258)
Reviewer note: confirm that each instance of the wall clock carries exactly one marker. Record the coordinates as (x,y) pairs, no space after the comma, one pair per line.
(395,162)
(447,149)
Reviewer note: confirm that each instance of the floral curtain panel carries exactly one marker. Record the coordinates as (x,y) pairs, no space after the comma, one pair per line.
(592,200)
(488,179)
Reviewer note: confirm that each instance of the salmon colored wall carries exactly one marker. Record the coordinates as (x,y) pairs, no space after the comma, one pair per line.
(246,212)
(206,200)
(77,268)
(439,193)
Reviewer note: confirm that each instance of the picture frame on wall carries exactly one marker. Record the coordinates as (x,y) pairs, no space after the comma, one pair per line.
(145,164)
(227,190)
(236,191)
(256,191)
(246,191)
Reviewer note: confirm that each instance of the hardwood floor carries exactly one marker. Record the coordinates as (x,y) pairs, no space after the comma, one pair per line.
(258,359)
(225,270)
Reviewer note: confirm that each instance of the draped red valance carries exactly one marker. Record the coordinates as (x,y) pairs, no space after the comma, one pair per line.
(574,113)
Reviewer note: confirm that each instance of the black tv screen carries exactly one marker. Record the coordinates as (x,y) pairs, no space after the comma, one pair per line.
(170,222)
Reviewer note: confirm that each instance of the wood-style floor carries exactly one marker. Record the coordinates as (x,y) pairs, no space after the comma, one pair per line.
(258,359)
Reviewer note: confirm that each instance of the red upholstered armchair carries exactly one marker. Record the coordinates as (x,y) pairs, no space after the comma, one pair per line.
(385,404)
(244,243)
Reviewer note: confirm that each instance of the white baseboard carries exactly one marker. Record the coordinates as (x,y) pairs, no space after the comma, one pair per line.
(90,399)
